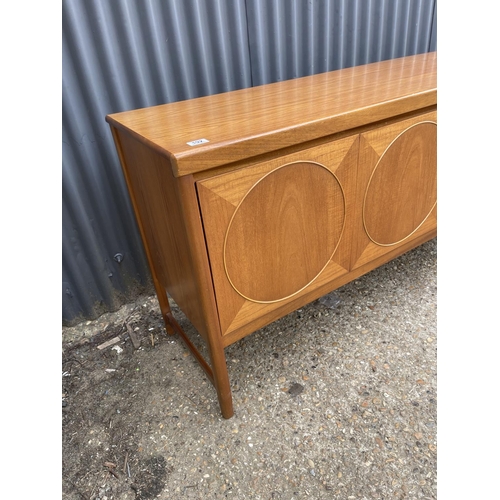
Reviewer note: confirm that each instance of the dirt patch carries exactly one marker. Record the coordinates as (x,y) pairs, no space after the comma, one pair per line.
(102,400)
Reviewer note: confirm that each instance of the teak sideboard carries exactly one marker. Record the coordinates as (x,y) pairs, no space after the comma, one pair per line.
(255,202)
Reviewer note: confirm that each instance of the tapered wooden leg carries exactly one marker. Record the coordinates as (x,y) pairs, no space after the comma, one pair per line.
(162,296)
(221,379)
(217,374)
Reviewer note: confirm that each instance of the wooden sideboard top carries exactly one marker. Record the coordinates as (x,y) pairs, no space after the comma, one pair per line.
(253,121)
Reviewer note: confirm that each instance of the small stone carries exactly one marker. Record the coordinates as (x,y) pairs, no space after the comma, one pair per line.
(281,380)
(418,435)
(311,463)
(295,389)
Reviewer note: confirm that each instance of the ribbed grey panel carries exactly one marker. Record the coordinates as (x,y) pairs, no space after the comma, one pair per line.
(120,55)
(126,54)
(294,38)
(433,42)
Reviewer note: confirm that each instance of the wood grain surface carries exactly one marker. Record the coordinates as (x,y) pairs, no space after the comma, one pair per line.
(253,121)
(396,188)
(158,208)
(402,190)
(284,232)
(288,216)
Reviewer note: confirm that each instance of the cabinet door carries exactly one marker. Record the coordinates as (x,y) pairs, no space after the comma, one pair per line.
(397,187)
(277,230)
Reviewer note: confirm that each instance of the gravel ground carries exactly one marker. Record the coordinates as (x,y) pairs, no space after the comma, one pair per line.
(336,400)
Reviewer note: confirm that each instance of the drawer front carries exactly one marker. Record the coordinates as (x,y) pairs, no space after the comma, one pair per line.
(396,188)
(279,229)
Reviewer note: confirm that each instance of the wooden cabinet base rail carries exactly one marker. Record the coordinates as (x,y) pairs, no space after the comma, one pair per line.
(253,203)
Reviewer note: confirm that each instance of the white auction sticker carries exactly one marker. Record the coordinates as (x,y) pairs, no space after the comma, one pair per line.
(198,141)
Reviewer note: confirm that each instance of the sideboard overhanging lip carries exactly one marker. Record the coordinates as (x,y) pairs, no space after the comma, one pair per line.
(212,155)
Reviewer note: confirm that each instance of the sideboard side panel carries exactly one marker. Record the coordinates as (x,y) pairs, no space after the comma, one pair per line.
(159,209)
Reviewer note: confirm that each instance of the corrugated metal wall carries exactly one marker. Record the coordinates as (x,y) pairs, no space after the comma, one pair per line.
(293,38)
(126,54)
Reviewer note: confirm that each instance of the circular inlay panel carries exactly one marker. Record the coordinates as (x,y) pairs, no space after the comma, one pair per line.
(402,190)
(284,232)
